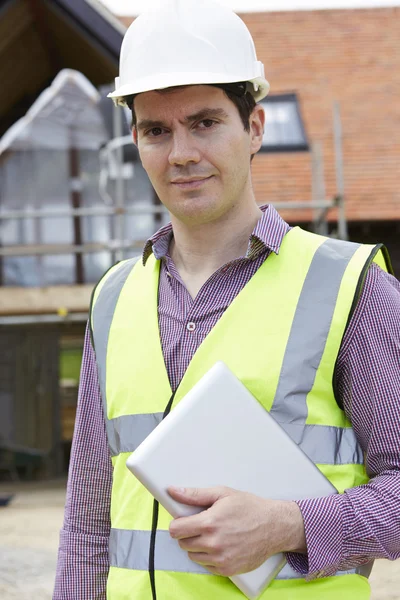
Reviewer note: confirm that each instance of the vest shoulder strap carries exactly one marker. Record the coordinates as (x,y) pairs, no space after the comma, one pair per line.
(380,255)
(112,271)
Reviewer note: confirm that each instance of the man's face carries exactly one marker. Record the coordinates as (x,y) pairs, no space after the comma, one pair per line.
(195,150)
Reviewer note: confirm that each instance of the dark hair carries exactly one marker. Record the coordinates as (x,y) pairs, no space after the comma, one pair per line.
(236,92)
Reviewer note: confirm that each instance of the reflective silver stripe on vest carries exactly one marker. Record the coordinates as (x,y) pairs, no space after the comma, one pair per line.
(310,329)
(129,431)
(326,445)
(105,305)
(323,444)
(130,550)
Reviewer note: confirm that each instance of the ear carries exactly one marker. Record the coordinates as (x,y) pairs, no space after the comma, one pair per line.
(257,122)
(134,135)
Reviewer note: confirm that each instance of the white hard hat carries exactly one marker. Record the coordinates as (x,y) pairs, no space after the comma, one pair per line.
(187,42)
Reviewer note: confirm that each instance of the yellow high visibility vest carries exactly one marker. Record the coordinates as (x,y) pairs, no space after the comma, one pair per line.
(281,337)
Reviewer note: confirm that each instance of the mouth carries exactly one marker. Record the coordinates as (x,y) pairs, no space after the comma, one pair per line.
(190,184)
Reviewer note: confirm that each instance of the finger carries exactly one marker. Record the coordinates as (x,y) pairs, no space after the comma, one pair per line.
(202,558)
(194,544)
(187,527)
(204,497)
(212,569)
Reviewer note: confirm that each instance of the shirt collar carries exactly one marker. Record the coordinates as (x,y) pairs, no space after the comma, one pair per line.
(267,234)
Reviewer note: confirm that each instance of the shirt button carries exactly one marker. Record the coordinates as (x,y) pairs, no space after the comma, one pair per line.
(191,326)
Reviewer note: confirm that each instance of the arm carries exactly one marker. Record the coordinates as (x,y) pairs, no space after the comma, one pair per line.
(347,530)
(83,553)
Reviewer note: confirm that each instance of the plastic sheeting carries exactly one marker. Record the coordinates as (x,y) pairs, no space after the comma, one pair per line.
(35,174)
(65,115)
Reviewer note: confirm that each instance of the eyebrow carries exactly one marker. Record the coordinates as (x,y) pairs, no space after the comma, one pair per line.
(205,113)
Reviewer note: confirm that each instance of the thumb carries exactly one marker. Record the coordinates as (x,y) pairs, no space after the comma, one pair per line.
(198,496)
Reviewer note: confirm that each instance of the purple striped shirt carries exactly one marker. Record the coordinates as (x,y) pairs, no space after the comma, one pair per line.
(342,531)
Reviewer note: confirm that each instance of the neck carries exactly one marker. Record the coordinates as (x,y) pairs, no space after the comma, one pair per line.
(199,250)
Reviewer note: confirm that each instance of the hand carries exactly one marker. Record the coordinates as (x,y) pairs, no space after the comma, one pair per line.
(238,531)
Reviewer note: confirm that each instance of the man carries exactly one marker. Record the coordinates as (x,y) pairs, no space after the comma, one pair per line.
(310,325)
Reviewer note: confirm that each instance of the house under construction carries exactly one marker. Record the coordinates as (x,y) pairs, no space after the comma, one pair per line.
(74,197)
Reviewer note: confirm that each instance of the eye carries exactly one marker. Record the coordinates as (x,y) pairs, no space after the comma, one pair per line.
(155,131)
(207,123)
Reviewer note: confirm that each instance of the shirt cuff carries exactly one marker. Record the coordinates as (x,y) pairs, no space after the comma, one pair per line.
(323,526)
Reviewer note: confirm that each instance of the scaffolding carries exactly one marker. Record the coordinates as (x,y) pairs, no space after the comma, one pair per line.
(320,205)
(63,199)
(112,165)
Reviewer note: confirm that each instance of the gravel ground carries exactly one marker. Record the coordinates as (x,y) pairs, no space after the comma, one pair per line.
(30,528)
(29,540)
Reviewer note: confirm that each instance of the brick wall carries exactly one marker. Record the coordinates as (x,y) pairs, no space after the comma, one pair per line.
(352,56)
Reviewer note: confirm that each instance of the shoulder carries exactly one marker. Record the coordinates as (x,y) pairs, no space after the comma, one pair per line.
(378,307)
(380,294)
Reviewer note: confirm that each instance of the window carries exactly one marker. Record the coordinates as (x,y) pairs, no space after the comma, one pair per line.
(284,129)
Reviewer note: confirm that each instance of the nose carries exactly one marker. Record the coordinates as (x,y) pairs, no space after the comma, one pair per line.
(183,148)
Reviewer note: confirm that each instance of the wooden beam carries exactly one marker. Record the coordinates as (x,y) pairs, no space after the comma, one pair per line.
(61,299)
(37,249)
(13,23)
(36,8)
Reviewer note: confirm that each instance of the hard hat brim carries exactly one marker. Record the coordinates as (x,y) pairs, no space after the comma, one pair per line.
(261,86)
